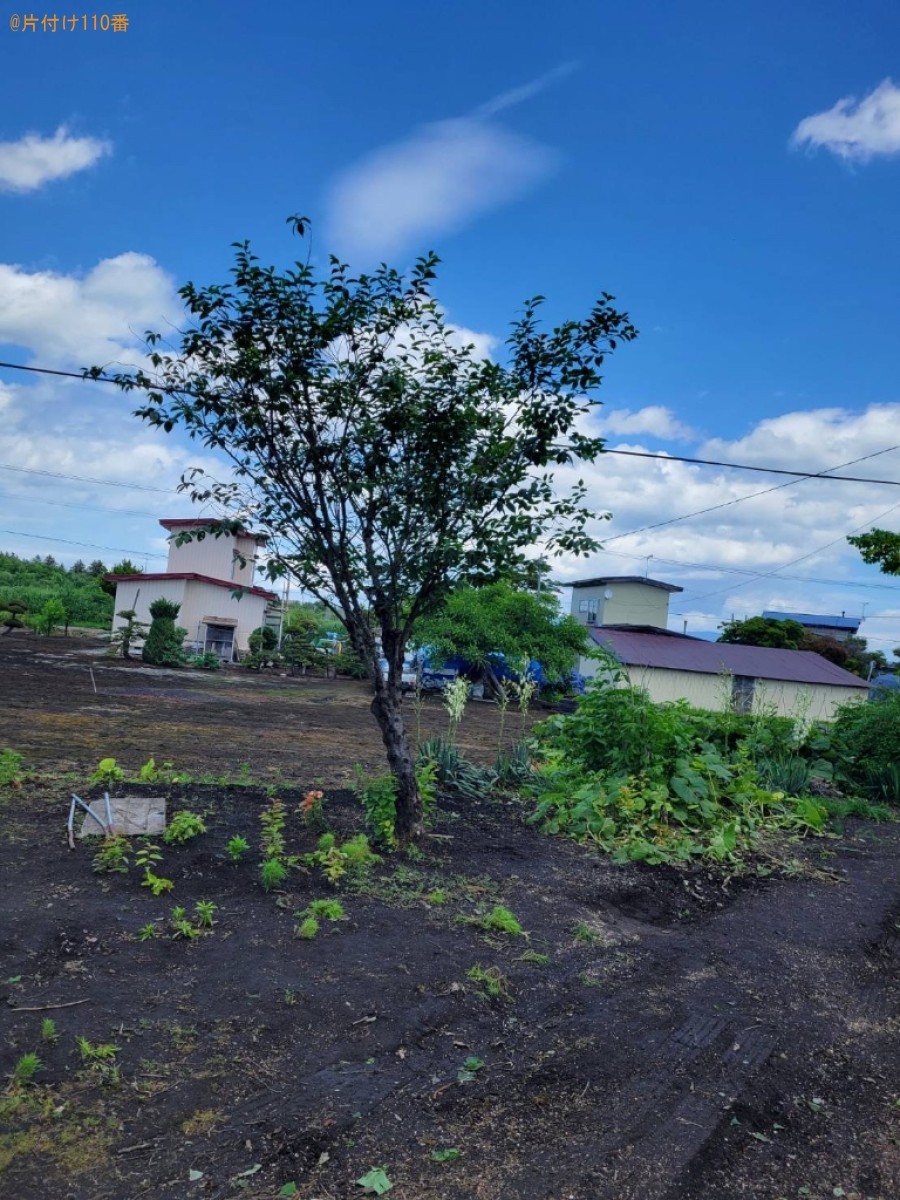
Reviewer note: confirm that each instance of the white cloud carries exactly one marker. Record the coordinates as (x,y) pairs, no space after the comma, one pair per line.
(785,549)
(439,178)
(32,161)
(436,181)
(83,320)
(856,129)
(654,420)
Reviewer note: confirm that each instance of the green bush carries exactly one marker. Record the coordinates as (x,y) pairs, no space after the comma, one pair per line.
(863,746)
(663,782)
(165,641)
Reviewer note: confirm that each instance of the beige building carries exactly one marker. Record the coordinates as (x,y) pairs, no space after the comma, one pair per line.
(719,677)
(622,600)
(212,580)
(628,617)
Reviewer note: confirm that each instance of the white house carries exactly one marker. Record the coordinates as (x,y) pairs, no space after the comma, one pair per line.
(711,675)
(212,581)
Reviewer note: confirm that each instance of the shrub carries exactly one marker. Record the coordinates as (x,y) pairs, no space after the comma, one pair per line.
(107,773)
(663,783)
(863,746)
(263,638)
(165,640)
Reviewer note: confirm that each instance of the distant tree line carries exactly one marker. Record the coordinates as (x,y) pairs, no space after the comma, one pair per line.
(41,594)
(853,654)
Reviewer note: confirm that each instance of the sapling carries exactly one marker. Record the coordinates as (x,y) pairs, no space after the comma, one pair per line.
(205,910)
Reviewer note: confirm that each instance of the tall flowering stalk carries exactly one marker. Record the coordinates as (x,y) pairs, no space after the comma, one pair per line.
(456,694)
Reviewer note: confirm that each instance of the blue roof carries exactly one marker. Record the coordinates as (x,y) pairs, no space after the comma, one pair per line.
(821,622)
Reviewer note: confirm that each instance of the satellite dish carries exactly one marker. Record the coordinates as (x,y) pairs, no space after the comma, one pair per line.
(607,595)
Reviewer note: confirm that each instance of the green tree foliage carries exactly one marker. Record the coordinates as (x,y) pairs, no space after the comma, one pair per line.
(132,630)
(164,644)
(32,584)
(478,623)
(125,567)
(763,631)
(863,745)
(385,461)
(52,614)
(880,547)
(264,638)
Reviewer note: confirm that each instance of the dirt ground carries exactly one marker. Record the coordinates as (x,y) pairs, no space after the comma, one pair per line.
(658,1035)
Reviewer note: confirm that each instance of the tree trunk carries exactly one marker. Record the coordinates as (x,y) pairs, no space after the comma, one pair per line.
(386,710)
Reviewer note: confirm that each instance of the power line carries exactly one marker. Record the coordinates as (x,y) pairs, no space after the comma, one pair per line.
(89,545)
(711,462)
(135,487)
(751,496)
(125,512)
(703,462)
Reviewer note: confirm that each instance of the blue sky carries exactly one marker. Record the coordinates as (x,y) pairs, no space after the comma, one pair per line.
(692,159)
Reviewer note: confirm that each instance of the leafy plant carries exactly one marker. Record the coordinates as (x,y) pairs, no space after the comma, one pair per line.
(205,911)
(448,1155)
(237,847)
(181,925)
(24,1071)
(113,855)
(273,821)
(147,932)
(100,1058)
(336,860)
(49,1032)
(375,1181)
(183,827)
(148,857)
(378,797)
(491,980)
(107,773)
(148,772)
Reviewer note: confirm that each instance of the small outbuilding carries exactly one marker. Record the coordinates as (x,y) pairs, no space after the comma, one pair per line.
(719,676)
(212,581)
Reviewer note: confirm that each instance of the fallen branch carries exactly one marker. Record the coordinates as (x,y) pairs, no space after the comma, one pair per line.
(44,1007)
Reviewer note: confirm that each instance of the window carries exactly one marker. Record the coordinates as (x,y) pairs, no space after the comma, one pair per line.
(220,640)
(742,687)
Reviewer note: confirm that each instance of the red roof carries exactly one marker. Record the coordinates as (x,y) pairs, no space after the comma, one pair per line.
(201,523)
(639,648)
(225,583)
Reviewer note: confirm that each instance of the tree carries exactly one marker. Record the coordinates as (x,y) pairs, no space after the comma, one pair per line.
(164,644)
(881,547)
(385,461)
(78,567)
(125,567)
(478,624)
(763,631)
(52,614)
(133,630)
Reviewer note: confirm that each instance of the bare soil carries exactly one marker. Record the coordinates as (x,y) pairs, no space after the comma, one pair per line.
(686,1036)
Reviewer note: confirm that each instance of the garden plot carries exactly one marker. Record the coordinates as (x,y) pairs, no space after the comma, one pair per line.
(506,1015)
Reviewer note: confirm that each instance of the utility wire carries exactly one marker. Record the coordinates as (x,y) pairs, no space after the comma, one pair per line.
(704,462)
(823,474)
(90,545)
(135,487)
(711,462)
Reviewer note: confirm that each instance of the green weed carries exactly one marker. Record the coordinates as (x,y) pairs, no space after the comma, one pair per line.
(49,1032)
(236,848)
(490,980)
(24,1071)
(183,827)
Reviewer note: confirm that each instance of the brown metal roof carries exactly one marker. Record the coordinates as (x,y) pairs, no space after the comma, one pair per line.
(637,648)
(657,583)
